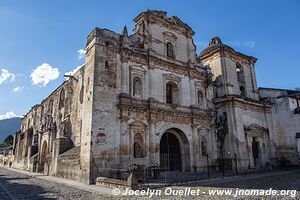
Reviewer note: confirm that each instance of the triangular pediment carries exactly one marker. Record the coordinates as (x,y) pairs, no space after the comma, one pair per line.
(255,130)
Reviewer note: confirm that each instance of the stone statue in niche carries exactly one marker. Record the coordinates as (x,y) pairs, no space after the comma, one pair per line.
(137,86)
(138,151)
(170,51)
(203,146)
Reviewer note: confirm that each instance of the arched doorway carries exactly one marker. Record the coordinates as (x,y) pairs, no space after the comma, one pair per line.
(174,151)
(257,138)
(170,158)
(255,151)
(43,156)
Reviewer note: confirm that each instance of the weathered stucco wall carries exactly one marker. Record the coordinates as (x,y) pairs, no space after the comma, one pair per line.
(286,123)
(135,89)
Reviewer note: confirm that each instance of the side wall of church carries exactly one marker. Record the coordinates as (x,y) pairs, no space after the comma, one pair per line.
(286,124)
(246,122)
(57,125)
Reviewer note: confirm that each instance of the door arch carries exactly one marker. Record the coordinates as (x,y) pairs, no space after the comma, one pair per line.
(174,151)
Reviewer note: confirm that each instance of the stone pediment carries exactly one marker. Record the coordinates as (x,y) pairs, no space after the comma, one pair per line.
(172,77)
(170,35)
(255,130)
(137,68)
(137,124)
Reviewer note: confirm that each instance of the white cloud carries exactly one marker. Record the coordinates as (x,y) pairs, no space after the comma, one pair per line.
(81,53)
(5,75)
(18,89)
(43,74)
(9,115)
(74,70)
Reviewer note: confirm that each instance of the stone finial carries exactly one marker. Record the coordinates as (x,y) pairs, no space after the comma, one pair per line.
(125,32)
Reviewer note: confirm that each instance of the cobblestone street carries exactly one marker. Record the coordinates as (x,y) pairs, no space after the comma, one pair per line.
(14,185)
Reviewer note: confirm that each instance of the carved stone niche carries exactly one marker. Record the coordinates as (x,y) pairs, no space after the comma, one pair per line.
(137,80)
(202,144)
(138,139)
(200,94)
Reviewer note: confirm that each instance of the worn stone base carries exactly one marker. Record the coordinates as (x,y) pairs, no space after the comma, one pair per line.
(109,182)
(116,183)
(68,165)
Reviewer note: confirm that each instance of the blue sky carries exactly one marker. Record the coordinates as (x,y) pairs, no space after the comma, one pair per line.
(48,35)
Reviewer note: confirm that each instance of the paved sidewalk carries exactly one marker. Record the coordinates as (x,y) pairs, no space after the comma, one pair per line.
(106,190)
(67,182)
(221,180)
(239,178)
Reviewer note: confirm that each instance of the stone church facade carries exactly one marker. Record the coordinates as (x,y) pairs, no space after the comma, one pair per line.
(149,99)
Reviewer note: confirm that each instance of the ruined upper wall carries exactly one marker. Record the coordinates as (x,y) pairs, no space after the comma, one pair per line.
(276,93)
(160,17)
(159,31)
(61,112)
(154,34)
(143,54)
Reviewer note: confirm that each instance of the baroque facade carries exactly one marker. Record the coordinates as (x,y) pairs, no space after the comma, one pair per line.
(149,99)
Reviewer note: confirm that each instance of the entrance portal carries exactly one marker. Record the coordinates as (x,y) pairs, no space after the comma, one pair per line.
(43,156)
(170,153)
(255,151)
